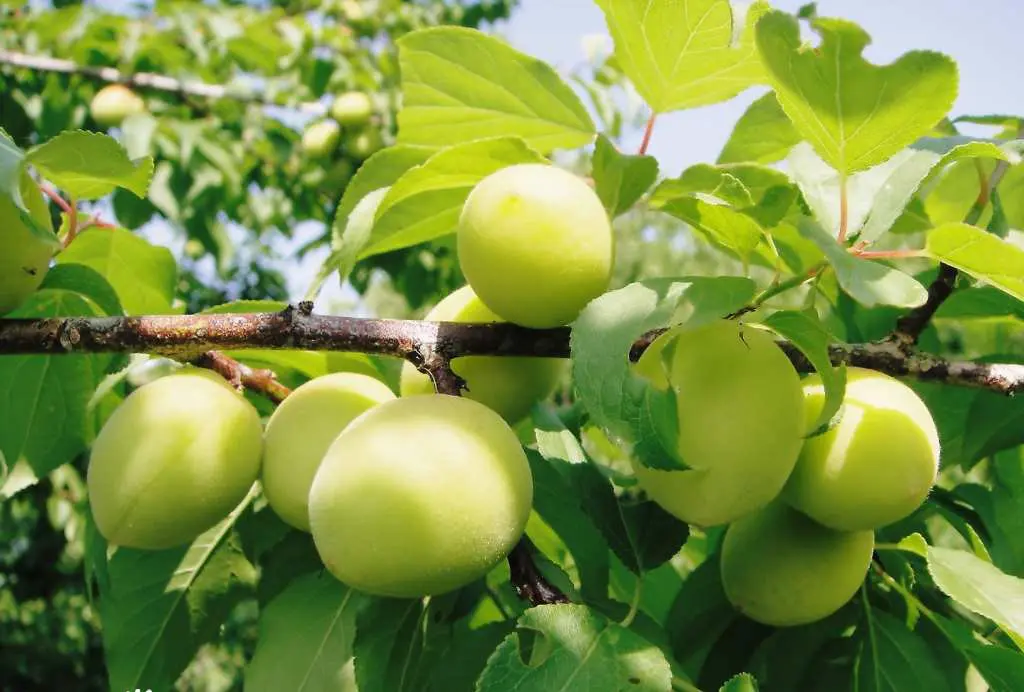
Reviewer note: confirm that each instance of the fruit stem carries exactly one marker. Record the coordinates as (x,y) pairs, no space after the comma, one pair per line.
(648,131)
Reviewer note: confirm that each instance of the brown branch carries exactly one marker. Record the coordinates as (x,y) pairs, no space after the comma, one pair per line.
(529,583)
(242,376)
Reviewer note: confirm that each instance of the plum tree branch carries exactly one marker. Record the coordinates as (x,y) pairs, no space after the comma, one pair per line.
(429,345)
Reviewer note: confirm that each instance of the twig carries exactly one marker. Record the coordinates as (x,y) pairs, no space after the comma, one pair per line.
(844,210)
(240,375)
(188,337)
(529,583)
(648,131)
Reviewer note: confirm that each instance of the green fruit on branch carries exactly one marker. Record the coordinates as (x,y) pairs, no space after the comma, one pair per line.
(877,465)
(420,496)
(365,143)
(176,457)
(741,422)
(510,386)
(352,109)
(24,255)
(300,431)
(781,568)
(321,139)
(113,103)
(535,244)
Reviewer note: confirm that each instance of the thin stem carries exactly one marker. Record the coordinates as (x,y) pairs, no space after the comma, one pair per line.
(681,685)
(73,228)
(497,603)
(890,254)
(57,199)
(648,131)
(634,607)
(779,288)
(844,210)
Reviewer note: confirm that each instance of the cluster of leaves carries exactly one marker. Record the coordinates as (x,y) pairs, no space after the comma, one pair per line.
(880,186)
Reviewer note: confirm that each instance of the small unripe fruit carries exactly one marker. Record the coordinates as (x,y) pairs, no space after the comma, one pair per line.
(741,423)
(877,465)
(353,108)
(364,144)
(176,457)
(113,103)
(536,245)
(321,139)
(781,568)
(24,256)
(300,431)
(420,496)
(510,386)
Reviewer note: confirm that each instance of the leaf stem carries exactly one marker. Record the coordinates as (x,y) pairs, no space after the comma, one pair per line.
(648,131)
(683,685)
(634,607)
(889,254)
(844,210)
(497,603)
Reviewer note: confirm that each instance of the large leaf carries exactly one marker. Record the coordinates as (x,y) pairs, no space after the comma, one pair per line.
(306,638)
(684,53)
(980,254)
(425,203)
(868,282)
(894,659)
(763,134)
(460,85)
(854,113)
(142,274)
(582,651)
(380,170)
(979,586)
(722,224)
(162,605)
(90,165)
(621,179)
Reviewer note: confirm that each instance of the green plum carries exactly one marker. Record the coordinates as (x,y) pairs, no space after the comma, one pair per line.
(364,143)
(741,422)
(24,256)
(420,496)
(320,139)
(877,465)
(176,457)
(113,103)
(510,386)
(300,431)
(352,109)
(536,244)
(781,568)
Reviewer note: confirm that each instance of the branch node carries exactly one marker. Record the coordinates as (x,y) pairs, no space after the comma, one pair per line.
(305,308)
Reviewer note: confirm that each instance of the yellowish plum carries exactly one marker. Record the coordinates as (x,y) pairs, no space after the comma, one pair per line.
(510,386)
(741,422)
(113,103)
(352,108)
(300,431)
(781,568)
(24,256)
(320,139)
(877,465)
(420,496)
(536,244)
(176,457)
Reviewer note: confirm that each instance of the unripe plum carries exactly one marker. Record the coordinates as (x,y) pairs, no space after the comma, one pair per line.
(781,568)
(536,244)
(176,457)
(365,143)
(741,423)
(24,256)
(321,139)
(300,431)
(420,496)
(510,386)
(353,108)
(113,103)
(877,465)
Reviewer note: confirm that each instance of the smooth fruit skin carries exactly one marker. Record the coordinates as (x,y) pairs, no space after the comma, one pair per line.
(741,424)
(364,144)
(781,568)
(321,139)
(420,496)
(24,256)
(302,428)
(535,244)
(351,109)
(176,457)
(877,465)
(113,103)
(510,386)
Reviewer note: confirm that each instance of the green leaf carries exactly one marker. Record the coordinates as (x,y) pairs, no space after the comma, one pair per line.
(894,659)
(621,179)
(685,53)
(162,605)
(306,636)
(467,656)
(143,275)
(720,223)
(87,282)
(460,85)
(580,649)
(868,282)
(980,254)
(854,113)
(809,335)
(615,397)
(90,165)
(1003,669)
(349,241)
(699,615)
(763,134)
(979,586)
(425,203)
(44,419)
(744,682)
